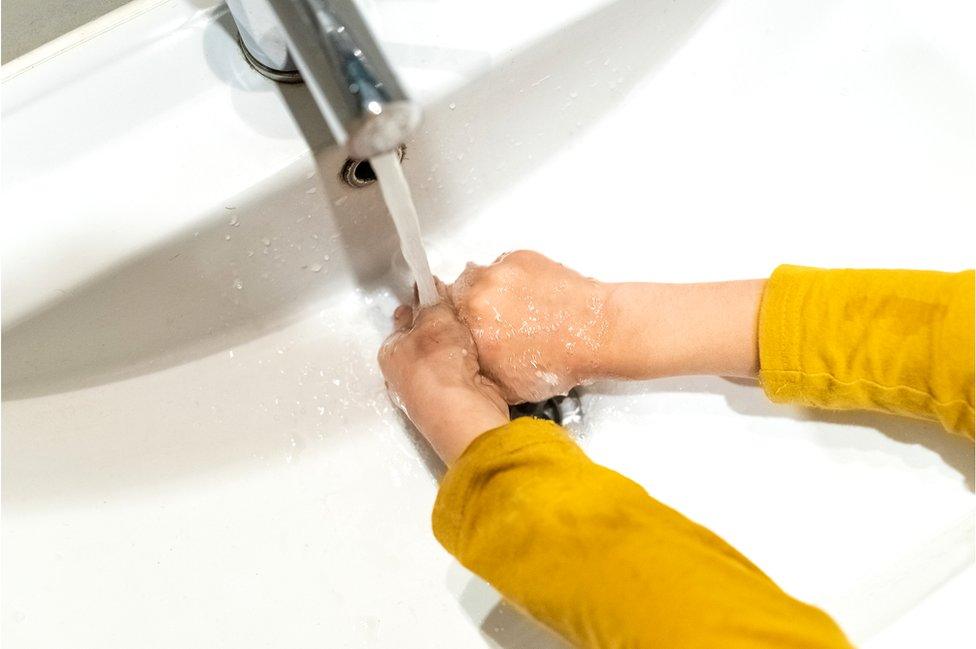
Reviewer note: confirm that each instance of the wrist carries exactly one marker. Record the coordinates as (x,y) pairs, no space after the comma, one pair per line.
(657,330)
(459,414)
(640,343)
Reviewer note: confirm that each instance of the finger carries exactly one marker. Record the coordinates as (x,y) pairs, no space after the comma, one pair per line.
(469,268)
(444,291)
(402,317)
(437,317)
(464,281)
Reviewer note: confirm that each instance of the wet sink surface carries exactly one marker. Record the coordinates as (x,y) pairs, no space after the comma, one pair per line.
(197,447)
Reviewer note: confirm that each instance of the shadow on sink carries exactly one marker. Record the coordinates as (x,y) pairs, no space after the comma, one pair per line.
(258,266)
(260,262)
(499,621)
(746,398)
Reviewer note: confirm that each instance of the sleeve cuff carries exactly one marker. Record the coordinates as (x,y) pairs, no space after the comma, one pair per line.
(781,332)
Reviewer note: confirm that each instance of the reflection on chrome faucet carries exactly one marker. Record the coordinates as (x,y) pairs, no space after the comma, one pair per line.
(330,45)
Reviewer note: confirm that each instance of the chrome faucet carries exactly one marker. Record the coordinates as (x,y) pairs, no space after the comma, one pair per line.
(327,44)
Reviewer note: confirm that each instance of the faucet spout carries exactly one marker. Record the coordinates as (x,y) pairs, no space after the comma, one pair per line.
(340,61)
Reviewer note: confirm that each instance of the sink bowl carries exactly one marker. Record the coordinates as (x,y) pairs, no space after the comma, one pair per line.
(197,445)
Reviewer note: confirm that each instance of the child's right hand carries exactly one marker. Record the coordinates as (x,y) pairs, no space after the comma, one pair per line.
(540,327)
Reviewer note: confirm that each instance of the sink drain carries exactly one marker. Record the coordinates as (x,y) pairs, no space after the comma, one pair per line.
(563,410)
(359,173)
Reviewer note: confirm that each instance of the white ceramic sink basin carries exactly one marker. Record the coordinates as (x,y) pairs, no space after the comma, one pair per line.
(197,447)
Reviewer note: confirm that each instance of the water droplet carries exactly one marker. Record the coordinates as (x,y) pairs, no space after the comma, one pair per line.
(573,95)
(238,284)
(326,257)
(336,382)
(226,237)
(234,222)
(315,268)
(266,241)
(310,190)
(452,105)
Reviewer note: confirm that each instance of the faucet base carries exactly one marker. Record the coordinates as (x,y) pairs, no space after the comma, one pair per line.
(281,76)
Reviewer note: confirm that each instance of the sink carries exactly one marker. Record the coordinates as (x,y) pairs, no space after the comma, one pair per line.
(197,446)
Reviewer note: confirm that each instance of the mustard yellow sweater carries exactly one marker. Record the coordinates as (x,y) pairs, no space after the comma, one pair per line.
(590,554)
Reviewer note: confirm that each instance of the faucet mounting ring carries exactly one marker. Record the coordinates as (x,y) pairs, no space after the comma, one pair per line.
(359,173)
(281,76)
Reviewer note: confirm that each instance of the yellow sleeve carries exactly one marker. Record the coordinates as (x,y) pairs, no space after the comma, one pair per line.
(900,341)
(591,555)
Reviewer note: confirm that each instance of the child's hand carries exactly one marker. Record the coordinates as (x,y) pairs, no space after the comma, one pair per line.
(540,327)
(431,368)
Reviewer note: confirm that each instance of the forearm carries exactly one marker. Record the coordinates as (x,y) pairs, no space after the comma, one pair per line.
(893,340)
(591,555)
(678,329)
(451,430)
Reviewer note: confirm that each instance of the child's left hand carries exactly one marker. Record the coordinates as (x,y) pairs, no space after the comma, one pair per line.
(430,364)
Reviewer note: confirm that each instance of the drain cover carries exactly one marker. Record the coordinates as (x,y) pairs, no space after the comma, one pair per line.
(563,410)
